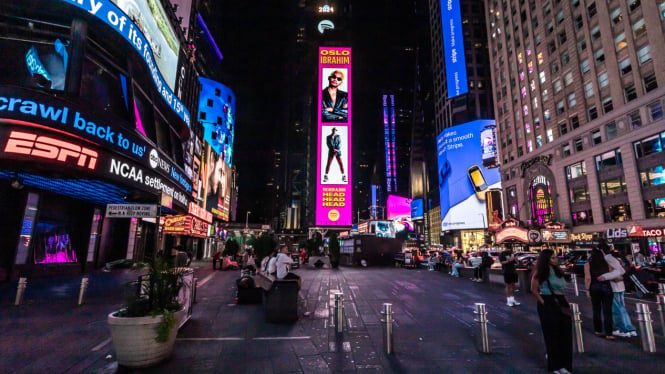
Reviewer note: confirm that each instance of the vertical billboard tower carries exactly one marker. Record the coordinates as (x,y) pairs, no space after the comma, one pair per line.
(333,184)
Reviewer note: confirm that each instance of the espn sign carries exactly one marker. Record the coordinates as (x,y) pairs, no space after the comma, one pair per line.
(25,143)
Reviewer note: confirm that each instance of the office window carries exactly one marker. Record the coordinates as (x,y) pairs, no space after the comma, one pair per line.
(600,56)
(595,33)
(617,213)
(595,137)
(630,92)
(593,113)
(550,135)
(559,17)
(624,66)
(650,83)
(639,28)
(585,66)
(613,186)
(549,27)
(592,10)
(654,176)
(536,122)
(608,159)
(563,128)
(520,151)
(649,146)
(611,131)
(565,150)
(644,54)
(546,95)
(579,23)
(576,170)
(565,58)
(575,122)
(568,78)
(539,141)
(588,89)
(608,106)
(581,44)
(557,86)
(560,107)
(615,15)
(656,110)
(603,79)
(578,144)
(620,41)
(635,119)
(541,75)
(562,38)
(578,194)
(571,100)
(633,4)
(554,67)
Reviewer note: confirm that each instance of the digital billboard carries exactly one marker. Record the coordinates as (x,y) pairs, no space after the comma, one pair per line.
(453,48)
(217,108)
(218,182)
(417,211)
(399,211)
(144,24)
(463,180)
(334,192)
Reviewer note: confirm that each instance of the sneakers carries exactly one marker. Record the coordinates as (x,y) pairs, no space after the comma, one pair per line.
(621,334)
(516,303)
(325,177)
(632,333)
(510,304)
(562,371)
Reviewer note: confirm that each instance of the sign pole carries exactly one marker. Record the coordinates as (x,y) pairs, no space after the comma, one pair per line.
(157,218)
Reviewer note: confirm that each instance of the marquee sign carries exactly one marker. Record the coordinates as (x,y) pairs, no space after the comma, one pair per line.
(512,233)
(185,225)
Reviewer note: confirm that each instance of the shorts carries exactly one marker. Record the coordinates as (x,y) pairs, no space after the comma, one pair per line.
(510,278)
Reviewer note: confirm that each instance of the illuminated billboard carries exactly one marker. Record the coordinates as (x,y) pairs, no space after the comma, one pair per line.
(453,48)
(389,141)
(399,211)
(217,108)
(145,25)
(218,182)
(463,180)
(333,193)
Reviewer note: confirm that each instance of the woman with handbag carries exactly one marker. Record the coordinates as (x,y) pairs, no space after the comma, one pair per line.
(548,285)
(600,292)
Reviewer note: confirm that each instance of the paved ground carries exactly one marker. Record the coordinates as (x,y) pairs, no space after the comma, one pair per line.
(435,331)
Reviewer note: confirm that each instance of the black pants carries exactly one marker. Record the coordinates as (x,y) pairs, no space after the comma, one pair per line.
(478,272)
(601,301)
(558,334)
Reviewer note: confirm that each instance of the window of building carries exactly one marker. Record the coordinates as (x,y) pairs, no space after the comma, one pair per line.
(565,58)
(662,9)
(650,82)
(624,66)
(639,28)
(633,4)
(568,78)
(595,33)
(578,194)
(546,95)
(549,27)
(608,106)
(615,15)
(635,119)
(560,107)
(600,56)
(575,122)
(585,66)
(578,144)
(648,146)
(582,217)
(571,100)
(588,89)
(539,141)
(654,176)
(581,44)
(529,146)
(550,135)
(620,41)
(644,54)
(575,3)
(562,38)
(603,80)
(592,10)
(656,110)
(608,159)
(520,151)
(655,207)
(613,186)
(630,92)
(611,130)
(595,136)
(218,92)
(536,122)
(557,86)
(617,213)
(576,170)
(559,17)
(565,150)
(579,23)
(563,128)
(593,113)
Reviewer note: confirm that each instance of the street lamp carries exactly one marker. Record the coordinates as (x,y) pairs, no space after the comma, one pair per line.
(247,221)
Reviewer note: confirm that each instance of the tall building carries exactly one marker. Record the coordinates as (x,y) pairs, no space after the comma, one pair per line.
(462,93)
(579,88)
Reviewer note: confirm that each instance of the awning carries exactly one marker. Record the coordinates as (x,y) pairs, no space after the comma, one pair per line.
(512,233)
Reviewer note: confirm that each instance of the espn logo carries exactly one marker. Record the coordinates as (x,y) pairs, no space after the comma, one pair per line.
(24,143)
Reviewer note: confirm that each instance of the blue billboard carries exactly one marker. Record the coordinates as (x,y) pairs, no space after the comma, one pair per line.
(217,108)
(453,48)
(463,180)
(417,209)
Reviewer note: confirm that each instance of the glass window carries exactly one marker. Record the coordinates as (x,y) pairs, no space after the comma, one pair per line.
(595,33)
(563,128)
(654,176)
(550,135)
(541,75)
(571,100)
(655,207)
(581,44)
(603,79)
(576,170)
(565,150)
(579,23)
(592,10)
(565,58)
(579,144)
(560,107)
(620,41)
(635,119)
(648,146)
(656,110)
(557,86)
(617,213)
(650,83)
(613,186)
(600,56)
(585,66)
(615,15)
(608,106)
(546,95)
(574,122)
(639,28)
(582,217)
(559,17)
(611,130)
(554,67)
(610,158)
(630,92)
(36,60)
(593,113)
(588,89)
(633,4)
(595,136)
(562,38)
(624,66)
(578,194)
(644,54)
(568,78)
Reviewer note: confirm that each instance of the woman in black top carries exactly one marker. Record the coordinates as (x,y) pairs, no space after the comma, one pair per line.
(600,293)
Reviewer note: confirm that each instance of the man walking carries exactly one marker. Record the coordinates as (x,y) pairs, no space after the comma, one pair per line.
(508,264)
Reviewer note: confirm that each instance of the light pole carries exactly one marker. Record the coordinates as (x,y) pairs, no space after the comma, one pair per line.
(247,221)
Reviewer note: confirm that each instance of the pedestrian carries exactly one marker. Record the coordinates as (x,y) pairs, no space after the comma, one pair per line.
(548,285)
(303,256)
(215,259)
(508,265)
(475,262)
(283,262)
(486,262)
(600,293)
(459,263)
(272,263)
(624,327)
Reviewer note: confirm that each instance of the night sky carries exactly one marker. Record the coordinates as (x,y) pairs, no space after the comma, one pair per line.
(254,40)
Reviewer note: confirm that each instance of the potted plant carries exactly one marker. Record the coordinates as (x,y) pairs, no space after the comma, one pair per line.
(143,332)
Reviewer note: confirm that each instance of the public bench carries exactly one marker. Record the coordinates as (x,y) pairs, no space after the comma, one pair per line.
(280,298)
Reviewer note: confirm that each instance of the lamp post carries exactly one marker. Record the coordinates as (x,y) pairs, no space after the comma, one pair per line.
(247,221)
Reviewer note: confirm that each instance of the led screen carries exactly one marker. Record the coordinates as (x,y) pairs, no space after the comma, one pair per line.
(463,180)
(333,206)
(217,107)
(398,206)
(453,48)
(417,211)
(218,194)
(35,63)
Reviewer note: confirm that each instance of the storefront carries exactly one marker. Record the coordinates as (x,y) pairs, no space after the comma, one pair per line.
(186,231)
(650,240)
(555,236)
(512,235)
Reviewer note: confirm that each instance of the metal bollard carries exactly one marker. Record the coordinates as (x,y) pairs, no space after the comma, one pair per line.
(646,329)
(388,324)
(577,291)
(660,298)
(339,312)
(577,327)
(20,289)
(481,318)
(195,285)
(84,287)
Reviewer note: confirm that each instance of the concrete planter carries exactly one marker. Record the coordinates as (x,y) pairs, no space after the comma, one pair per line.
(134,339)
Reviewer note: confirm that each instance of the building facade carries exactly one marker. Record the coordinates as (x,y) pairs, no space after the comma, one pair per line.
(579,89)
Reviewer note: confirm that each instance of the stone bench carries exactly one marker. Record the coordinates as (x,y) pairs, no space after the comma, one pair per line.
(280,298)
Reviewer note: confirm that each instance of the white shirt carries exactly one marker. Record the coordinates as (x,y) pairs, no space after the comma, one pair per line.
(264,263)
(272,265)
(283,262)
(617,271)
(475,261)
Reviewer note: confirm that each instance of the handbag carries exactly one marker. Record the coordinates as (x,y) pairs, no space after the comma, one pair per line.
(561,302)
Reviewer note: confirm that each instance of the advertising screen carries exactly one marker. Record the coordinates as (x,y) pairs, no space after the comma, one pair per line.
(218,194)
(333,193)
(453,48)
(417,211)
(463,180)
(399,211)
(217,108)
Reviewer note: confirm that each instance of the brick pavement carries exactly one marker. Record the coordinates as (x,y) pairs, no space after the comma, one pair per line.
(434,332)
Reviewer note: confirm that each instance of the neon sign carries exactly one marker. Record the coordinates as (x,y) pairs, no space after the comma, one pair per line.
(49,148)
(326,9)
